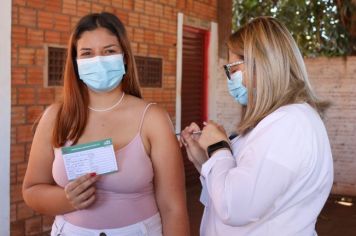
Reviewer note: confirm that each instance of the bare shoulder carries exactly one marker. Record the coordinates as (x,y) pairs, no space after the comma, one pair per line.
(49,116)
(157,119)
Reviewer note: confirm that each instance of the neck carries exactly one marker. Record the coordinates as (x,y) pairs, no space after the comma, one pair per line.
(101,101)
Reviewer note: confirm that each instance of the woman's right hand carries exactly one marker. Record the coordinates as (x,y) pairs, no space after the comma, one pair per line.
(81,192)
(196,154)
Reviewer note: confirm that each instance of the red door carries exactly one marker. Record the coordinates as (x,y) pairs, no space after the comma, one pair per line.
(193,87)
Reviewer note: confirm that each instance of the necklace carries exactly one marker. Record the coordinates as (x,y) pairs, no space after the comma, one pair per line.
(109,108)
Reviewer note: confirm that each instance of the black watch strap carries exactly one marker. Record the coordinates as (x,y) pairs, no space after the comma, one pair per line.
(216,146)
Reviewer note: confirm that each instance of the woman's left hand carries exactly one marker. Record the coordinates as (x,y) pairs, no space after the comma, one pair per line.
(212,133)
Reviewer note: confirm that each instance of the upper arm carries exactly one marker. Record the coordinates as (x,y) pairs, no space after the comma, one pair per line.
(166,158)
(39,169)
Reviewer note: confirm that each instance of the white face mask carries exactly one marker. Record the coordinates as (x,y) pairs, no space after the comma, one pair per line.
(236,89)
(102,73)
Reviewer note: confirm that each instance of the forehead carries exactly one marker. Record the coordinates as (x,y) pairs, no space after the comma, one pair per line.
(98,37)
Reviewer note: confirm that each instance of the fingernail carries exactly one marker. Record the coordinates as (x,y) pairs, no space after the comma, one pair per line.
(92,174)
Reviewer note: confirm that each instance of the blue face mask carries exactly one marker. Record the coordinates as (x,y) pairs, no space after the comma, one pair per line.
(236,89)
(102,73)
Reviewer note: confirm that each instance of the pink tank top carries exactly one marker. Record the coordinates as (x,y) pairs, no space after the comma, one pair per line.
(122,198)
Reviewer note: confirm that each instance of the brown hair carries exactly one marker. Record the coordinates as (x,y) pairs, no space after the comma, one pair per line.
(73,110)
(275,65)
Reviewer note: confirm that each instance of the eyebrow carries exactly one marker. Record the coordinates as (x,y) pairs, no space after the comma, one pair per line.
(111,45)
(107,46)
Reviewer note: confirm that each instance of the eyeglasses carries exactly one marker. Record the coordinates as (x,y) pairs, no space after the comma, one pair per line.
(227,68)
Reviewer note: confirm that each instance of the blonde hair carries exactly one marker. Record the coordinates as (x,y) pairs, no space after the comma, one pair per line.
(274,64)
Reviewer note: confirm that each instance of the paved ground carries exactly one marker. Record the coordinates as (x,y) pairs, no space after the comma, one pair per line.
(334,220)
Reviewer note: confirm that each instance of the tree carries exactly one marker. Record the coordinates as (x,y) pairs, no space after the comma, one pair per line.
(320,27)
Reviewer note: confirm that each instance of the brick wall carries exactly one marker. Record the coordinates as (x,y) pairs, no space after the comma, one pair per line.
(333,79)
(151,26)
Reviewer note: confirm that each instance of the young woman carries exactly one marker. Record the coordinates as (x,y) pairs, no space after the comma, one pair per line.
(102,99)
(274,178)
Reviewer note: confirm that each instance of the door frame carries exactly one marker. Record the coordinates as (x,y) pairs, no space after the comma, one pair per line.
(5,116)
(210,71)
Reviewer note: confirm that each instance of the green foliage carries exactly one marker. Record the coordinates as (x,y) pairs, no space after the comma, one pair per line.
(320,27)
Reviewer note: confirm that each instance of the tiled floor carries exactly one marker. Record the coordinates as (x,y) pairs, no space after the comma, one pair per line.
(334,220)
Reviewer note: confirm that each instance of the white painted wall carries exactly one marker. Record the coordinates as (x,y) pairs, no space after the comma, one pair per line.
(212,71)
(179,72)
(5,115)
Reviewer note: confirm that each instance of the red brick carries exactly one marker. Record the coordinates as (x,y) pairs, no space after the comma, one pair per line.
(26,95)
(18,75)
(26,56)
(17,115)
(23,211)
(35,37)
(158,10)
(153,23)
(37,4)
(14,97)
(144,21)
(47,222)
(138,35)
(52,37)
(24,133)
(28,145)
(143,49)
(16,193)
(35,75)
(65,38)
(12,212)
(58,96)
(40,57)
(34,113)
(27,17)
(149,36)
(158,38)
(18,35)
(21,170)
(14,15)
(17,228)
(45,20)
(19,2)
(118,3)
(134,19)
(61,22)
(53,6)
(139,6)
(83,8)
(97,7)
(149,8)
(122,15)
(69,7)
(13,134)
(45,96)
(128,5)
(17,154)
(105,2)
(13,174)
(33,226)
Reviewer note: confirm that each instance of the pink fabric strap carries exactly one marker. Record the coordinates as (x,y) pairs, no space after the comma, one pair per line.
(143,115)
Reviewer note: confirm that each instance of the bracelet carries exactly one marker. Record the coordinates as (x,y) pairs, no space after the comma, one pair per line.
(216,146)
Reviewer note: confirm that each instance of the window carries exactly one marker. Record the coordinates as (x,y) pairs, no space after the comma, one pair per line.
(54,67)
(149,71)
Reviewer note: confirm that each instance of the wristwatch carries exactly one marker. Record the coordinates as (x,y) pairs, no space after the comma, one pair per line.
(216,146)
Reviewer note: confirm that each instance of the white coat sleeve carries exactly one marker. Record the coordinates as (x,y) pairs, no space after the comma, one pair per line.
(243,193)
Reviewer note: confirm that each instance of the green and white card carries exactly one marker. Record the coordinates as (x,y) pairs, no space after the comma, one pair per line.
(98,157)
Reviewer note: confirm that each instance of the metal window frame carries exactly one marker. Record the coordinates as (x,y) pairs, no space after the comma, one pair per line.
(46,64)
